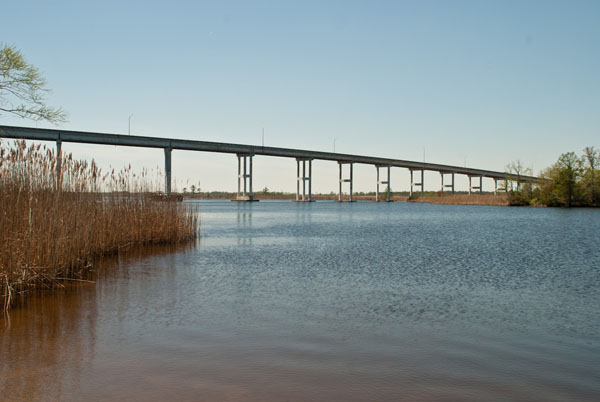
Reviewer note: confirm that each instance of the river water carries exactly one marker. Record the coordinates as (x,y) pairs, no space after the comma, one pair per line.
(282,301)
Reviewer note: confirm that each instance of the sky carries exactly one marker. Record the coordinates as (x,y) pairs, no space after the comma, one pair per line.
(475,83)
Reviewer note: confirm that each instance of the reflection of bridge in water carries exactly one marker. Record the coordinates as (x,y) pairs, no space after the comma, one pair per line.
(304,159)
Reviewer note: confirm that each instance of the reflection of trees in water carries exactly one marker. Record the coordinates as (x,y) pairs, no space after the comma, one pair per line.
(45,345)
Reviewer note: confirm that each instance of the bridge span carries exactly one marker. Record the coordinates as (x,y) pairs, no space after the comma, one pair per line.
(245,153)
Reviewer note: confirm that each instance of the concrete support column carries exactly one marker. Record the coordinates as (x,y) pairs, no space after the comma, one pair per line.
(297,180)
(239,175)
(251,194)
(383,182)
(480,187)
(245,175)
(421,184)
(451,185)
(58,164)
(351,180)
(442,177)
(310,180)
(342,180)
(377,188)
(389,184)
(168,171)
(304,179)
(495,186)
(340,183)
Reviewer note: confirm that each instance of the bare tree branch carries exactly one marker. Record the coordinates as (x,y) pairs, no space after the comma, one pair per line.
(23,89)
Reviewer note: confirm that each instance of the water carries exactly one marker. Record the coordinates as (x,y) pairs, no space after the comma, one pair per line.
(325,301)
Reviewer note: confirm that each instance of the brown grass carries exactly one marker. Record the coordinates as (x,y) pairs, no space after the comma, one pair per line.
(292,196)
(56,225)
(465,199)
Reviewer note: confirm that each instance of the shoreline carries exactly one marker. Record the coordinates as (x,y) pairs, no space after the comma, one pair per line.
(445,199)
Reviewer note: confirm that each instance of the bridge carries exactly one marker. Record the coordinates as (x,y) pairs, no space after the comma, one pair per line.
(304,159)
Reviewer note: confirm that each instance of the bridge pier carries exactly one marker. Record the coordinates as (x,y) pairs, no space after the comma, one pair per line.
(303,178)
(450,186)
(168,170)
(340,164)
(421,184)
(480,187)
(58,163)
(245,174)
(377,167)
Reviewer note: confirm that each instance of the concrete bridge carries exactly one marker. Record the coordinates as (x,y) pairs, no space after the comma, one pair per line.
(304,159)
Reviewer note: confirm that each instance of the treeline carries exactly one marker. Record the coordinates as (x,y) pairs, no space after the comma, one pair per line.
(573,181)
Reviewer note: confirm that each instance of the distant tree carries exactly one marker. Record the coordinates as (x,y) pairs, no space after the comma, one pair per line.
(571,181)
(568,171)
(192,189)
(265,190)
(515,170)
(547,191)
(591,182)
(23,89)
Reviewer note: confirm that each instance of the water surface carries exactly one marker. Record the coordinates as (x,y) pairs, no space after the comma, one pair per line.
(327,301)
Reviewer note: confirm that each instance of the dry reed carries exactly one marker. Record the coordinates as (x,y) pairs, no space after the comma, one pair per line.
(55,225)
(464,199)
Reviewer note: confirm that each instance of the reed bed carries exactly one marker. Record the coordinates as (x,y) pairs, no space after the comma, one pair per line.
(58,215)
(464,199)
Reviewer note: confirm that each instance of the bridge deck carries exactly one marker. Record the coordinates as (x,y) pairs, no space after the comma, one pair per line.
(84,137)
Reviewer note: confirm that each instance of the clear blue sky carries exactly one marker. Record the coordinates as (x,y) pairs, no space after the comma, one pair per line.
(490,82)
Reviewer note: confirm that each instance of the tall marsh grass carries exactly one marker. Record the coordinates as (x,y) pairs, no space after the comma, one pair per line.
(53,226)
(463,199)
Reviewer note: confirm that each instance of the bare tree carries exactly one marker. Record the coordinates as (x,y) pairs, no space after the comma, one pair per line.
(23,89)
(591,157)
(515,170)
